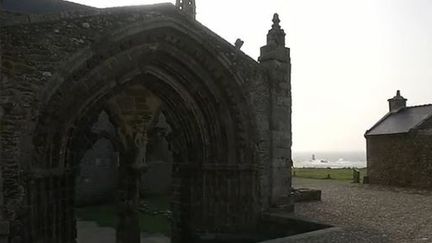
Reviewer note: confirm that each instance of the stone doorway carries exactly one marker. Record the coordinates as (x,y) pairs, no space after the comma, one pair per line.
(198,137)
(138,130)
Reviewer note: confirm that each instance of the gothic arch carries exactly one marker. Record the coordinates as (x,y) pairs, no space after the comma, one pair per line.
(204,102)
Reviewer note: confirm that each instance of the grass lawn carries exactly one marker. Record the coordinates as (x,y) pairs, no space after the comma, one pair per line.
(106,216)
(327,173)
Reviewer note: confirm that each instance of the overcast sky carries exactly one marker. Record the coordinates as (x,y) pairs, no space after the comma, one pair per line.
(348,57)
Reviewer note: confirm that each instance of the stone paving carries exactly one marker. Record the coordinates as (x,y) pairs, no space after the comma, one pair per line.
(396,214)
(90,232)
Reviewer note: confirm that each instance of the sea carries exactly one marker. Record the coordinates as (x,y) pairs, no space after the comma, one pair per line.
(356,159)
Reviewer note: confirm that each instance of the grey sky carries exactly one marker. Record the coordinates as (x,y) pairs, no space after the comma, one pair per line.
(348,56)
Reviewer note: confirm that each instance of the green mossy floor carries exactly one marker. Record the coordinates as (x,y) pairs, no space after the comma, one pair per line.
(106,215)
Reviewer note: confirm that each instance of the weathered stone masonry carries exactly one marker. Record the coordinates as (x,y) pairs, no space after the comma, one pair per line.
(275,58)
(230,116)
(400,160)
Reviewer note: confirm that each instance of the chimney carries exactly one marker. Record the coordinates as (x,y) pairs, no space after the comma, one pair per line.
(397,103)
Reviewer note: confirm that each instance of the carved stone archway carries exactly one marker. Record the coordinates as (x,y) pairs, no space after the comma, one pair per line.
(202,102)
(230,117)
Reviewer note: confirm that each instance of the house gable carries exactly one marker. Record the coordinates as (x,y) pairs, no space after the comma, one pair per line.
(425,127)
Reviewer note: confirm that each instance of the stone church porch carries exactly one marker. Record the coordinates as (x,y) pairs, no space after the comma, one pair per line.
(230,117)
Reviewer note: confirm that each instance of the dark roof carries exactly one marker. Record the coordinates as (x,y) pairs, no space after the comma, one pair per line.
(401,121)
(41,6)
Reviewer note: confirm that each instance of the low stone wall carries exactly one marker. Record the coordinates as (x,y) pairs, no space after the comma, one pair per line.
(307,195)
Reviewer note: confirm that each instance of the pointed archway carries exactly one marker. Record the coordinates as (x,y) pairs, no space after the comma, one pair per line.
(204,106)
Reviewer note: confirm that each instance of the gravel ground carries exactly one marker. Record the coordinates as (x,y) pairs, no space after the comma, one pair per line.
(399,214)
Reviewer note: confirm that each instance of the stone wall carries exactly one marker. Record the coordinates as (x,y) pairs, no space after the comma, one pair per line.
(400,159)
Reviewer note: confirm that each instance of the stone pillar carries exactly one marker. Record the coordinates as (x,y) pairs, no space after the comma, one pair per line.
(128,198)
(132,166)
(128,195)
(4,225)
(275,59)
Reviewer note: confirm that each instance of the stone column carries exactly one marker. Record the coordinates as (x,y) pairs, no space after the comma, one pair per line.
(132,166)
(128,223)
(4,225)
(275,59)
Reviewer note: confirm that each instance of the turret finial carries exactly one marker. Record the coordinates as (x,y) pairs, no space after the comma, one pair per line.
(276,21)
(276,36)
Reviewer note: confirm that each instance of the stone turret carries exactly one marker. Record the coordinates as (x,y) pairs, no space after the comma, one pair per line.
(188,7)
(275,48)
(275,59)
(276,36)
(397,102)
